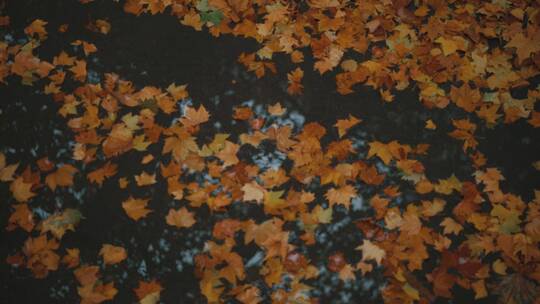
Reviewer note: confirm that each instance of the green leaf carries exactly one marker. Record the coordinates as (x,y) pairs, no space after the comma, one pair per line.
(214,17)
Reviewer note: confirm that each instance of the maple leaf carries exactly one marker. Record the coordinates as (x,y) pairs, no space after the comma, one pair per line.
(430,125)
(71,259)
(180,218)
(371,251)
(194,20)
(145,179)
(451,226)
(112,254)
(148,292)
(21,190)
(381,150)
(59,223)
(525,46)
(274,178)
(6,172)
(342,195)
(136,208)
(119,140)
(380,205)
(79,70)
(479,288)
(345,124)
(63,59)
(61,177)
(194,117)
(276,109)
(242,113)
(228,154)
(508,218)
(93,291)
(178,92)
(40,255)
(535,119)
(449,46)
(37,27)
(98,176)
(273,200)
(21,217)
(248,294)
(295,82)
(211,286)
(253,191)
(347,273)
(465,97)
(88,47)
(86,275)
(180,146)
(411,224)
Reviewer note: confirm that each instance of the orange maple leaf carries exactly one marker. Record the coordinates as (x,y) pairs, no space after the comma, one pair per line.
(112,254)
(345,124)
(136,208)
(180,218)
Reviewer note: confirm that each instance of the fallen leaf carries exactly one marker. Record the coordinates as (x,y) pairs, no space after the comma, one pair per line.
(112,254)
(180,218)
(136,208)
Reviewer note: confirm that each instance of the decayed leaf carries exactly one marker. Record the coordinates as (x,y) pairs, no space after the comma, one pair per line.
(59,223)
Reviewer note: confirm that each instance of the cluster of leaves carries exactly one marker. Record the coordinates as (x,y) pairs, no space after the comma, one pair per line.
(468,53)
(486,240)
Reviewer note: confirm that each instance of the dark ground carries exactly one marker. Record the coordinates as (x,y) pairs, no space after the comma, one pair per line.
(157,50)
